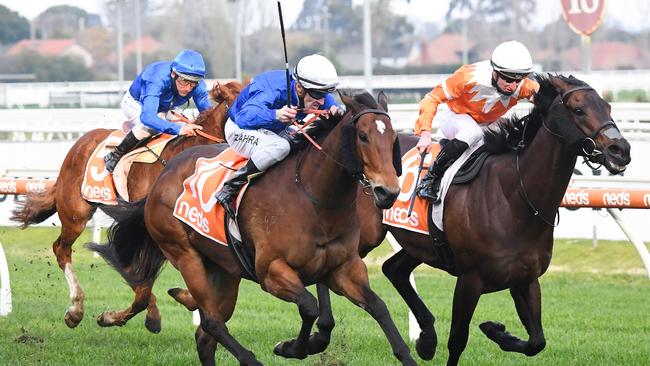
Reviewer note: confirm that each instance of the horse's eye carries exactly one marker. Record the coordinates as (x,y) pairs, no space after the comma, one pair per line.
(363,136)
(578,112)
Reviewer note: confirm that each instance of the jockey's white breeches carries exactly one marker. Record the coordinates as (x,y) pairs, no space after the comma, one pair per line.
(132,109)
(262,146)
(458,126)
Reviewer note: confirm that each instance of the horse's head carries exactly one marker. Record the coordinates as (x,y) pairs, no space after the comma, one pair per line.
(227,92)
(370,145)
(584,120)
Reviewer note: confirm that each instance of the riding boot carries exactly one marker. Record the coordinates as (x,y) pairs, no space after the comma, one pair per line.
(128,143)
(430,184)
(226,196)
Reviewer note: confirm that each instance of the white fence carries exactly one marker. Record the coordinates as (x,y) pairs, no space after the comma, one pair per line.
(68,124)
(105,93)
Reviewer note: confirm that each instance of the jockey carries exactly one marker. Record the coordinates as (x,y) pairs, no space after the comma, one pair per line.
(259,118)
(476,94)
(159,88)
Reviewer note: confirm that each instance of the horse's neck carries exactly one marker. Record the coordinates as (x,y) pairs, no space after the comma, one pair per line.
(213,123)
(322,173)
(546,167)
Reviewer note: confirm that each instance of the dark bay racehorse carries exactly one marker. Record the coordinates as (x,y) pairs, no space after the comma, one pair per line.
(298,221)
(500,225)
(74,211)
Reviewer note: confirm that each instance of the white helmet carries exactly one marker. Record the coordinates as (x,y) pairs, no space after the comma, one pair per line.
(512,58)
(316,72)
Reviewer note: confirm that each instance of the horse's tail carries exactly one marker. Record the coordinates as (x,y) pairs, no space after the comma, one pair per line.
(36,208)
(130,249)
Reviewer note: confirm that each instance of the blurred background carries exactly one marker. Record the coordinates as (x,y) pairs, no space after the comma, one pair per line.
(83,40)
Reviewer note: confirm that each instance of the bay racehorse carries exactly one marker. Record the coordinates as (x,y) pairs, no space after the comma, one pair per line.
(298,221)
(65,198)
(500,225)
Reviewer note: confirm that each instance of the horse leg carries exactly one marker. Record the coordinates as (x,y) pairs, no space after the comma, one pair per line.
(398,269)
(216,300)
(319,341)
(183,296)
(143,295)
(351,280)
(73,222)
(283,282)
(528,301)
(468,290)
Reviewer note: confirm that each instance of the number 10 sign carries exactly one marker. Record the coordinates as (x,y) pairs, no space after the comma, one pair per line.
(583,16)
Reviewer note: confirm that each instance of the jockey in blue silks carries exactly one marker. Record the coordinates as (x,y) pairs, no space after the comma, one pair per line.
(159,88)
(259,118)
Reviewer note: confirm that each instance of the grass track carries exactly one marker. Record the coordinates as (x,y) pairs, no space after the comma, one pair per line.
(596,306)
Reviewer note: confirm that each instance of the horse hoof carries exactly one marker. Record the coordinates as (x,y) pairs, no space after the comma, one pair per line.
(317,343)
(153,325)
(491,329)
(72,319)
(288,350)
(426,346)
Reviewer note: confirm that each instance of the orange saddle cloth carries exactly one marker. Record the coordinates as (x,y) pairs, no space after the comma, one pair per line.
(197,206)
(398,214)
(102,187)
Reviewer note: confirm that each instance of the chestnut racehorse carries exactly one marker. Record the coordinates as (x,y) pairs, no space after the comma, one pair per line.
(500,225)
(298,221)
(74,211)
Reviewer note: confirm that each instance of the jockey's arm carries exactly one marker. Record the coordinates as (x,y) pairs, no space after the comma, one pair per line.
(149,116)
(331,105)
(257,112)
(201,97)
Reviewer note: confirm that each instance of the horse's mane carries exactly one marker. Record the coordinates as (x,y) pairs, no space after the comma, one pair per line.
(505,133)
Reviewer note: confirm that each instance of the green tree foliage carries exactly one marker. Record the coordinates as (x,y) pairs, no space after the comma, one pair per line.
(46,68)
(62,21)
(13,27)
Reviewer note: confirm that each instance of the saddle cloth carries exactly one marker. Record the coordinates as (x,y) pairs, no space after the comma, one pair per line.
(99,185)
(397,215)
(197,206)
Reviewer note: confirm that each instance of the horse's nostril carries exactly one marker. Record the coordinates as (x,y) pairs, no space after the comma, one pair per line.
(615,150)
(380,192)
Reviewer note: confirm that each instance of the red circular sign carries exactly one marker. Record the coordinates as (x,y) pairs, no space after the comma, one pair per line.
(583,16)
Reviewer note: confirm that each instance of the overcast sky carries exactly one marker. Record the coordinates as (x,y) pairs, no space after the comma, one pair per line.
(630,14)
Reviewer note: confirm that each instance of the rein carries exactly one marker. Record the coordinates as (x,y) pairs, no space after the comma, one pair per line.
(360,177)
(182,118)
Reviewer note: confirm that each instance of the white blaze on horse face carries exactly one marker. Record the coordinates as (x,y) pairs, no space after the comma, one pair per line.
(381,126)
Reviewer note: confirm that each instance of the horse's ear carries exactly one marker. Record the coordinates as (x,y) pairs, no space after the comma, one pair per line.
(557,82)
(347,100)
(215,93)
(382,99)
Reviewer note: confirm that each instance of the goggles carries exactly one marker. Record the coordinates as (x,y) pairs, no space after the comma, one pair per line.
(318,94)
(511,77)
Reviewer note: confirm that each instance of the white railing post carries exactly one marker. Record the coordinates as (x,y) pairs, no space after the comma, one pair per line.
(414,327)
(634,239)
(5,288)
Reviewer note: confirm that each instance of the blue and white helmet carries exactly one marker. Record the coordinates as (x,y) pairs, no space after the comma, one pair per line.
(189,65)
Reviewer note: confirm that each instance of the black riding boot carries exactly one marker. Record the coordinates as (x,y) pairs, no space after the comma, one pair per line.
(128,143)
(430,185)
(226,196)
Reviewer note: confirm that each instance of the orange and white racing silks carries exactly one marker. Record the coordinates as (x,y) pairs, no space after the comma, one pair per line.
(469,91)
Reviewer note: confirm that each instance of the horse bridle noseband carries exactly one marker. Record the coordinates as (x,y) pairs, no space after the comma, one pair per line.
(588,155)
(360,177)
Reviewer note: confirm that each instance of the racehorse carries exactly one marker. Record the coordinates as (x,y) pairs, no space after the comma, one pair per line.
(74,211)
(298,221)
(500,225)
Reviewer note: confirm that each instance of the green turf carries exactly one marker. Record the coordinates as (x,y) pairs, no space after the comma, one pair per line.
(595,312)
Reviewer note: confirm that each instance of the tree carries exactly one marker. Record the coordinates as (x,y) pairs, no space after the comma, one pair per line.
(63,21)
(13,27)
(46,68)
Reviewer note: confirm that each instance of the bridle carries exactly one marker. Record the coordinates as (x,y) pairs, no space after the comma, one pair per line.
(588,154)
(365,183)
